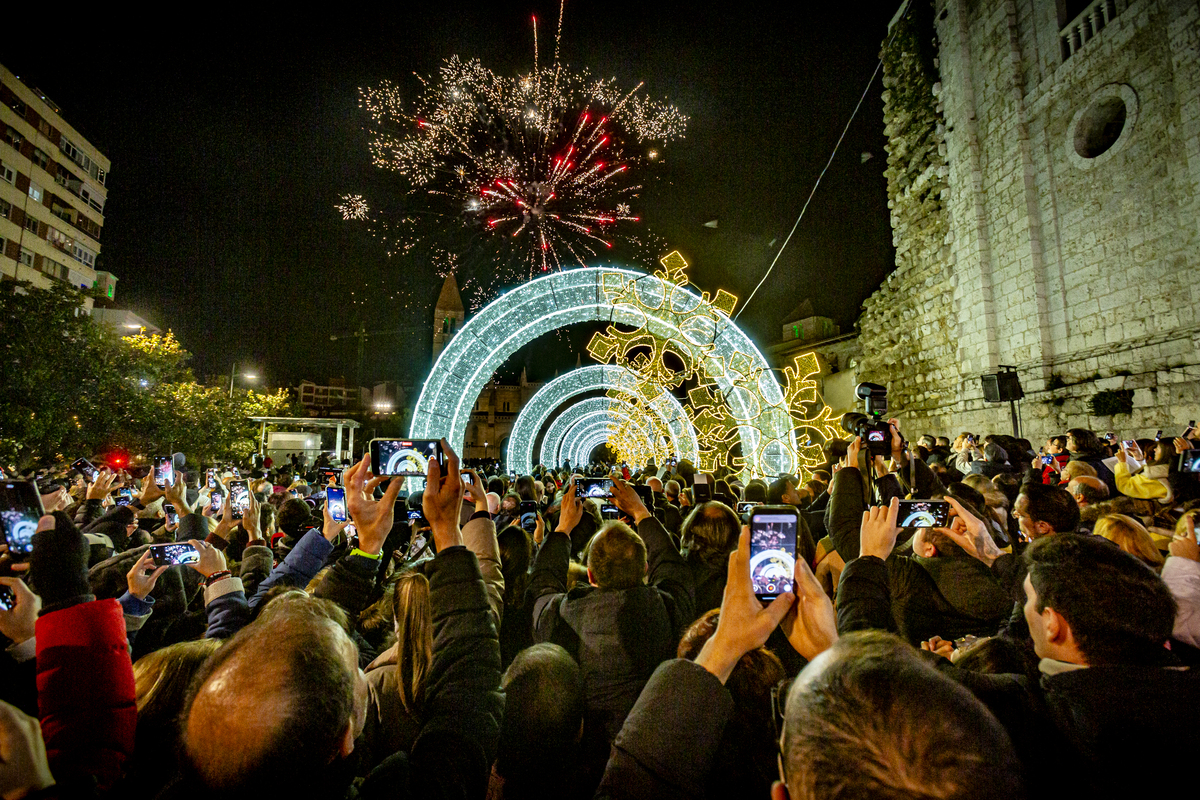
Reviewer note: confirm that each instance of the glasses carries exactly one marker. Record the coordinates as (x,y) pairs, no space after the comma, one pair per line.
(779,693)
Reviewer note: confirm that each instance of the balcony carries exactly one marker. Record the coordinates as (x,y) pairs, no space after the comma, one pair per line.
(1093,19)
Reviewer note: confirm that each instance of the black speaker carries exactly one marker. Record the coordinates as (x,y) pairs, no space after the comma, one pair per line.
(1001,387)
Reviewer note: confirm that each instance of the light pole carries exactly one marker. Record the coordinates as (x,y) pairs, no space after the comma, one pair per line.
(233,373)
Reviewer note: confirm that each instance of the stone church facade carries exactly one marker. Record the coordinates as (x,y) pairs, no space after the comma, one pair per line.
(1044,186)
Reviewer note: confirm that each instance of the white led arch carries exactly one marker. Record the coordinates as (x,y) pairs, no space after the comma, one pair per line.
(583,453)
(573,442)
(595,377)
(725,354)
(600,410)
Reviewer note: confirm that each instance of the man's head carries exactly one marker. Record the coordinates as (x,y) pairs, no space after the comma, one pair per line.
(943,441)
(1042,510)
(711,532)
(655,485)
(871,702)
(1087,490)
(616,558)
(783,491)
(927,441)
(251,729)
(543,717)
(1089,602)
(671,490)
(1056,444)
(1076,469)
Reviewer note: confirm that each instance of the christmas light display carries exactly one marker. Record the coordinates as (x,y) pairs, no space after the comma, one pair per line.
(597,412)
(729,365)
(620,384)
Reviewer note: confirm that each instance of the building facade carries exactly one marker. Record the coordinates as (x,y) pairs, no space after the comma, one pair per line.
(448,315)
(1043,177)
(52,194)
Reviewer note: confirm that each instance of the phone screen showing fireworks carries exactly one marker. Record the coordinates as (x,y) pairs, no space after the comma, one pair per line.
(593,487)
(924,513)
(239,498)
(404,457)
(773,550)
(164,471)
(335,497)
(20,509)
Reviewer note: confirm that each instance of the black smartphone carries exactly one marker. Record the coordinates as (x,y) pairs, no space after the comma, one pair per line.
(20,509)
(335,498)
(213,481)
(405,457)
(527,513)
(646,495)
(702,492)
(86,469)
(924,514)
(324,475)
(746,506)
(609,512)
(773,532)
(8,600)
(239,498)
(174,553)
(1158,436)
(172,514)
(164,471)
(1188,430)
(594,487)
(1129,444)
(215,501)
(123,497)
(1189,461)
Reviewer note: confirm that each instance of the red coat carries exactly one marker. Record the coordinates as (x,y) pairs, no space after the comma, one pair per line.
(86,697)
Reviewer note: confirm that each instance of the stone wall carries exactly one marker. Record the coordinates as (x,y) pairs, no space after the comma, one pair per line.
(1079,270)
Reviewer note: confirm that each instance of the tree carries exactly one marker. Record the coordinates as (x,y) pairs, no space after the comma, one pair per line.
(74,387)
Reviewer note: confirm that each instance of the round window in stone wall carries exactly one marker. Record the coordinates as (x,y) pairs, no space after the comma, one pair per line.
(1102,126)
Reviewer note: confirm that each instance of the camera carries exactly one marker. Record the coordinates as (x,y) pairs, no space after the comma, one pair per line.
(873,430)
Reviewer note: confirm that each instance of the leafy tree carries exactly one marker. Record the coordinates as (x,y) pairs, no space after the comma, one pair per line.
(74,387)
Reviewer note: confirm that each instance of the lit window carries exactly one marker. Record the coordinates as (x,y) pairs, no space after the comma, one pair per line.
(35,191)
(13,137)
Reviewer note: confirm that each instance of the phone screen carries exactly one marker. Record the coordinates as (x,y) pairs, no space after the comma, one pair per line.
(239,498)
(404,457)
(86,469)
(924,513)
(1047,460)
(164,471)
(594,487)
(124,497)
(327,475)
(746,506)
(20,510)
(7,599)
(772,550)
(213,481)
(1189,461)
(172,514)
(335,497)
(215,501)
(174,553)
(609,512)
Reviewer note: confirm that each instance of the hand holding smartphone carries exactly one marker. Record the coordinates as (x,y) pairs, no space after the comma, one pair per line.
(239,498)
(335,498)
(773,531)
(20,510)
(405,457)
(174,553)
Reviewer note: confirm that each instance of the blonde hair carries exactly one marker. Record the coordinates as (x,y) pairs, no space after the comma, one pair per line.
(1075,469)
(414,637)
(162,677)
(1131,536)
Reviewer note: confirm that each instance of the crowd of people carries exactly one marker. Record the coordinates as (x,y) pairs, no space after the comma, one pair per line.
(499,636)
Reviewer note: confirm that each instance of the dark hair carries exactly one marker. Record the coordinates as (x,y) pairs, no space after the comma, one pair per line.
(998,655)
(778,489)
(1059,440)
(525,489)
(516,554)
(543,715)
(496,485)
(711,532)
(1053,505)
(756,491)
(617,557)
(1079,487)
(908,730)
(1119,610)
(294,517)
(1086,442)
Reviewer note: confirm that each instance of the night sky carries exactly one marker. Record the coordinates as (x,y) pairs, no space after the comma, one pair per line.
(232,139)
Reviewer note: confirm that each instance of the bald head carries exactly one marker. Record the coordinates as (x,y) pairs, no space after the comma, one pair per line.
(655,485)
(1087,490)
(280,700)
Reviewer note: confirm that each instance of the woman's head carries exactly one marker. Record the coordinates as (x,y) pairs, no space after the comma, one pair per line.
(711,532)
(414,636)
(1082,441)
(1131,536)
(516,554)
(161,678)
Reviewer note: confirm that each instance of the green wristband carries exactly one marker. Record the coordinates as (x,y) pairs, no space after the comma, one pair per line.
(364,554)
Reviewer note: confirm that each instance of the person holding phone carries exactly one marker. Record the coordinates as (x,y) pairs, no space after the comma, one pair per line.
(1152,482)
(640,597)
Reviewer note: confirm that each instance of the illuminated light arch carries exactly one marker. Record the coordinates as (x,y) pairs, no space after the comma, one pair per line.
(584,451)
(602,411)
(595,377)
(572,446)
(728,359)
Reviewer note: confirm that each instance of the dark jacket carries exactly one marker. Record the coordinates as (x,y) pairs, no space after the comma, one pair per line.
(618,636)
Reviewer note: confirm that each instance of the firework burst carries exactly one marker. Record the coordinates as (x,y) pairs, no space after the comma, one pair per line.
(540,170)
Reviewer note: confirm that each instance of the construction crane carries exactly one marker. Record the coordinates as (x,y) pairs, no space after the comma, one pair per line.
(362,334)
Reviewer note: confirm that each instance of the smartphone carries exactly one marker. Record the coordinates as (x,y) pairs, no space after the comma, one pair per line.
(414,516)
(164,471)
(8,600)
(646,495)
(1158,436)
(325,475)
(609,512)
(702,492)
(335,498)
(924,513)
(215,502)
(174,553)
(1128,444)
(405,457)
(746,506)
(1188,430)
(213,481)
(773,549)
(239,498)
(1189,461)
(86,468)
(20,509)
(123,497)
(594,487)
(1047,460)
(172,514)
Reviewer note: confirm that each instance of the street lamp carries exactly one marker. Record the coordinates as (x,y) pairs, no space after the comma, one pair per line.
(233,373)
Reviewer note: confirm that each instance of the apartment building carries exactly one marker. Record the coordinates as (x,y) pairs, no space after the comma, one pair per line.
(52,193)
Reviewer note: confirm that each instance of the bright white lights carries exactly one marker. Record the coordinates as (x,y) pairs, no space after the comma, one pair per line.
(726,356)
(596,377)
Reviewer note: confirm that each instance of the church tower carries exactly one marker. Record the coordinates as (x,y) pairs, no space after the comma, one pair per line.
(448,315)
